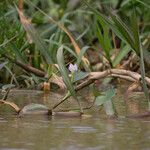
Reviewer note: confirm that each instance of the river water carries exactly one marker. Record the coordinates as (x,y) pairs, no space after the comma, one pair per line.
(91,132)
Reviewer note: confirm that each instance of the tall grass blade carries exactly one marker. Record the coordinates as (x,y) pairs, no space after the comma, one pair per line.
(80,56)
(8,41)
(122,53)
(144,4)
(65,75)
(34,36)
(105,19)
(138,46)
(124,30)
(64,72)
(103,37)
(62,27)
(18,53)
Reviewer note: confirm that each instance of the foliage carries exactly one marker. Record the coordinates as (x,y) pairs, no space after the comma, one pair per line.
(43,34)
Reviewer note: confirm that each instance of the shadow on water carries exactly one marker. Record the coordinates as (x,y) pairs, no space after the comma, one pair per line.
(42,132)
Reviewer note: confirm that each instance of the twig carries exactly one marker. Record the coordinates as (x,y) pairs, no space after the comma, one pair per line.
(27,67)
(13,105)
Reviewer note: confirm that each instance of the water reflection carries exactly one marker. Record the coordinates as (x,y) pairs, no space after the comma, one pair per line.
(90,133)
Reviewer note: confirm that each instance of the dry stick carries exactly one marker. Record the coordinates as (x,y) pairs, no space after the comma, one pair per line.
(120,72)
(54,79)
(123,77)
(13,105)
(124,74)
(20,4)
(27,67)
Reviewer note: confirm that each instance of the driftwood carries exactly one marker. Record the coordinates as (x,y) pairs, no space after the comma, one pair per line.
(119,73)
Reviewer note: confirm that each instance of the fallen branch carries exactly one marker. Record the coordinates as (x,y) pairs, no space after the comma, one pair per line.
(13,105)
(119,73)
(27,67)
(54,78)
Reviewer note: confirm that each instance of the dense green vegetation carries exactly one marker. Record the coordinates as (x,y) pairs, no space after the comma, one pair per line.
(39,40)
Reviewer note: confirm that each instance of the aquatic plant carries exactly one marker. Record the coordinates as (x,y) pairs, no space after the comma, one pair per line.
(129,35)
(44,48)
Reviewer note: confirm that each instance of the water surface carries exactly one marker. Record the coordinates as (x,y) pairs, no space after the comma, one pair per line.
(85,133)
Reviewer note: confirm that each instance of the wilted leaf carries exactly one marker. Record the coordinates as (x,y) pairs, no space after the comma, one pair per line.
(34,36)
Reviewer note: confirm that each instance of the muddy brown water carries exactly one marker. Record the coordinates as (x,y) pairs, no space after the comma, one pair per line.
(40,132)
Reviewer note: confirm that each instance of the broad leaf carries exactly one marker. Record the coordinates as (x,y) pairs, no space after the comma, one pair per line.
(80,75)
(106,96)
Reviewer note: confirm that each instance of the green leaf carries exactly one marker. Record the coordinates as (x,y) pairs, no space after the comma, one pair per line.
(80,75)
(122,53)
(106,96)
(64,71)
(123,30)
(109,108)
(82,52)
(135,31)
(104,38)
(96,92)
(8,86)
(143,3)
(109,22)
(18,54)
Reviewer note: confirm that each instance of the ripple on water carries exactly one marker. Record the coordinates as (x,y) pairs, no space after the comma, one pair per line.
(83,129)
